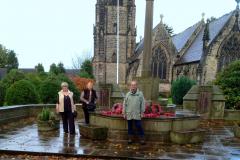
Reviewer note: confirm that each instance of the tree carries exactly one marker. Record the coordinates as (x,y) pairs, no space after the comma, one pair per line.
(85,74)
(12,61)
(3,56)
(54,69)
(2,93)
(169,29)
(57,69)
(61,68)
(8,58)
(228,80)
(39,68)
(81,83)
(179,89)
(86,70)
(78,60)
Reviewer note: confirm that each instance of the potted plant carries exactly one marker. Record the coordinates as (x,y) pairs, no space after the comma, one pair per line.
(47,120)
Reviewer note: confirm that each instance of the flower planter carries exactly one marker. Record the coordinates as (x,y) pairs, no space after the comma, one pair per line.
(170,108)
(236,130)
(48,125)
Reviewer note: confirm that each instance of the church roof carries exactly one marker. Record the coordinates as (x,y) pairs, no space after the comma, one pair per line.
(216,26)
(195,51)
(140,45)
(180,39)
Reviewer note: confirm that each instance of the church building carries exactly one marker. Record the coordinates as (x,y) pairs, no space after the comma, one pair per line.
(199,52)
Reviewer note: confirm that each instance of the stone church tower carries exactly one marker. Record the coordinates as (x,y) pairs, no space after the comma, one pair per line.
(105,39)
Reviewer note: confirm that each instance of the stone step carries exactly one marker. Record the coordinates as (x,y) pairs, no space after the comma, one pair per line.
(93,132)
(187,137)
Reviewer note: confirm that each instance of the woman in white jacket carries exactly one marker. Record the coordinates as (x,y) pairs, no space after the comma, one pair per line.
(66,107)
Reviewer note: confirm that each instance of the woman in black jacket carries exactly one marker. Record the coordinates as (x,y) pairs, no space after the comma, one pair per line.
(88,97)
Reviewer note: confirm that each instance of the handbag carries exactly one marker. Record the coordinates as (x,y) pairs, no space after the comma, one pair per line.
(75,114)
(91,107)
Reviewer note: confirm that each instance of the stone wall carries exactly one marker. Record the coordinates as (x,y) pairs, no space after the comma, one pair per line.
(189,70)
(211,60)
(13,113)
(111,73)
(232,115)
(156,129)
(207,100)
(105,40)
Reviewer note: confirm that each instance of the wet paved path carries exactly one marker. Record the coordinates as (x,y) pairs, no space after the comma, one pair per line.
(219,144)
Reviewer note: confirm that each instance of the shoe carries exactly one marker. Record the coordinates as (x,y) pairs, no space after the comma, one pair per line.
(130,139)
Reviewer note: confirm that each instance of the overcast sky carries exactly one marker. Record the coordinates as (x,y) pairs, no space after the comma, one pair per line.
(52,31)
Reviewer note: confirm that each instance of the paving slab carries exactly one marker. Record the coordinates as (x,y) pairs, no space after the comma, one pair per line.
(23,137)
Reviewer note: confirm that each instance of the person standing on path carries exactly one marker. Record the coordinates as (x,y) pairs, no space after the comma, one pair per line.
(133,110)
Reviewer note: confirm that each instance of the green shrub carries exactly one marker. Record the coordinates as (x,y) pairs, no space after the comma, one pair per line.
(179,89)
(34,79)
(229,81)
(48,91)
(21,92)
(2,93)
(52,85)
(13,76)
(46,115)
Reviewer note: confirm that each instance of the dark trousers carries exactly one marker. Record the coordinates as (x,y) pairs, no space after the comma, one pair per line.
(86,114)
(138,125)
(68,122)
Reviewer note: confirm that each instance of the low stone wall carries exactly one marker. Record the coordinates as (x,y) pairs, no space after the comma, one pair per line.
(156,129)
(13,113)
(149,124)
(232,115)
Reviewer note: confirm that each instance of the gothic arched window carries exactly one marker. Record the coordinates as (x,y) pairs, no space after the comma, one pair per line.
(159,64)
(115,27)
(230,51)
(114,57)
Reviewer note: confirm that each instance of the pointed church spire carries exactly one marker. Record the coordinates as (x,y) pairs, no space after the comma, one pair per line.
(203,16)
(161,18)
(206,36)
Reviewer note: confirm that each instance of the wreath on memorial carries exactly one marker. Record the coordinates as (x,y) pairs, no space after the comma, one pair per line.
(151,111)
